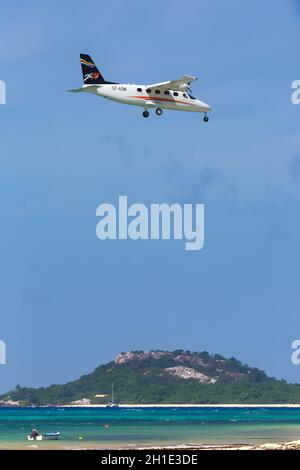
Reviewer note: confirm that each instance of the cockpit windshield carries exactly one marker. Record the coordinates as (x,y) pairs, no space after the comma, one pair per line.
(191,96)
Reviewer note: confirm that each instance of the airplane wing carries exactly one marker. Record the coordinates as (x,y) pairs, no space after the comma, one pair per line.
(179,84)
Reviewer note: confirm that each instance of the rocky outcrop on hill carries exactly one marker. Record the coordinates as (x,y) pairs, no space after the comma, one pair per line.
(188,373)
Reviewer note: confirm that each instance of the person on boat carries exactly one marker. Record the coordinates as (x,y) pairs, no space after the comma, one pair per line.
(34,433)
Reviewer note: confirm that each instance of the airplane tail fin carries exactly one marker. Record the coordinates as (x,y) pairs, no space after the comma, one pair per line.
(91,75)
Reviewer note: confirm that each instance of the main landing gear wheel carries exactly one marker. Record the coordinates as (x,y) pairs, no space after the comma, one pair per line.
(146,113)
(158,111)
(206,118)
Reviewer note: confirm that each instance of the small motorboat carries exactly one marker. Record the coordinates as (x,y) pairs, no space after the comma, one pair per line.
(46,436)
(50,436)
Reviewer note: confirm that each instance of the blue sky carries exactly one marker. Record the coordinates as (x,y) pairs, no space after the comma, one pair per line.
(70,302)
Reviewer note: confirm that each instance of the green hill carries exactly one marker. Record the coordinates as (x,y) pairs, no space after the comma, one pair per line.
(167,377)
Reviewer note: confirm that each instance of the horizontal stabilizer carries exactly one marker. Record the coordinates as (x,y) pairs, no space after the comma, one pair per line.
(91,88)
(77,90)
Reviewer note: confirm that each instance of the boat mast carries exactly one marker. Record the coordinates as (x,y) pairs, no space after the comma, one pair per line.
(112,393)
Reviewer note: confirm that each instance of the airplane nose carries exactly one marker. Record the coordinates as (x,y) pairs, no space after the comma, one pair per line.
(205,107)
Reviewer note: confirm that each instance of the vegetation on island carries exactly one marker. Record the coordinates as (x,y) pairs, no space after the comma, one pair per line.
(166,377)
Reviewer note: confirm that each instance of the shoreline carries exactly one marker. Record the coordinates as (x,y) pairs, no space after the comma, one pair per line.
(176,405)
(158,405)
(289,445)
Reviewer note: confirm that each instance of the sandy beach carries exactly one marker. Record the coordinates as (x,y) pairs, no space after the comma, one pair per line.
(292,445)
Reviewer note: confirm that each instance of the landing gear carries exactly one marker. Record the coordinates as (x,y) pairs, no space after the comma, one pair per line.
(206,118)
(158,111)
(146,113)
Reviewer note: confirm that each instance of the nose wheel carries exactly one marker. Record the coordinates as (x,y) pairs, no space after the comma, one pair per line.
(146,113)
(206,118)
(158,111)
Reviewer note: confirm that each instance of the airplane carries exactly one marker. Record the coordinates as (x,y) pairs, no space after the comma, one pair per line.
(173,94)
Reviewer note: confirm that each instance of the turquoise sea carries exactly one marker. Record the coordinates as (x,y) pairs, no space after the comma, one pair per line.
(133,427)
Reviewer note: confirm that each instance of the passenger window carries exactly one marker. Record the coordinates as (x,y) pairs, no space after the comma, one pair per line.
(139,90)
(167,92)
(148,90)
(184,95)
(157,92)
(175,93)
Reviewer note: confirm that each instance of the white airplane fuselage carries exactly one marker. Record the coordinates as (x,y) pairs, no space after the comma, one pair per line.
(140,95)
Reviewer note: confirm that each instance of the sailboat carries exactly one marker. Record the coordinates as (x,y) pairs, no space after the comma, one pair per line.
(112,403)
